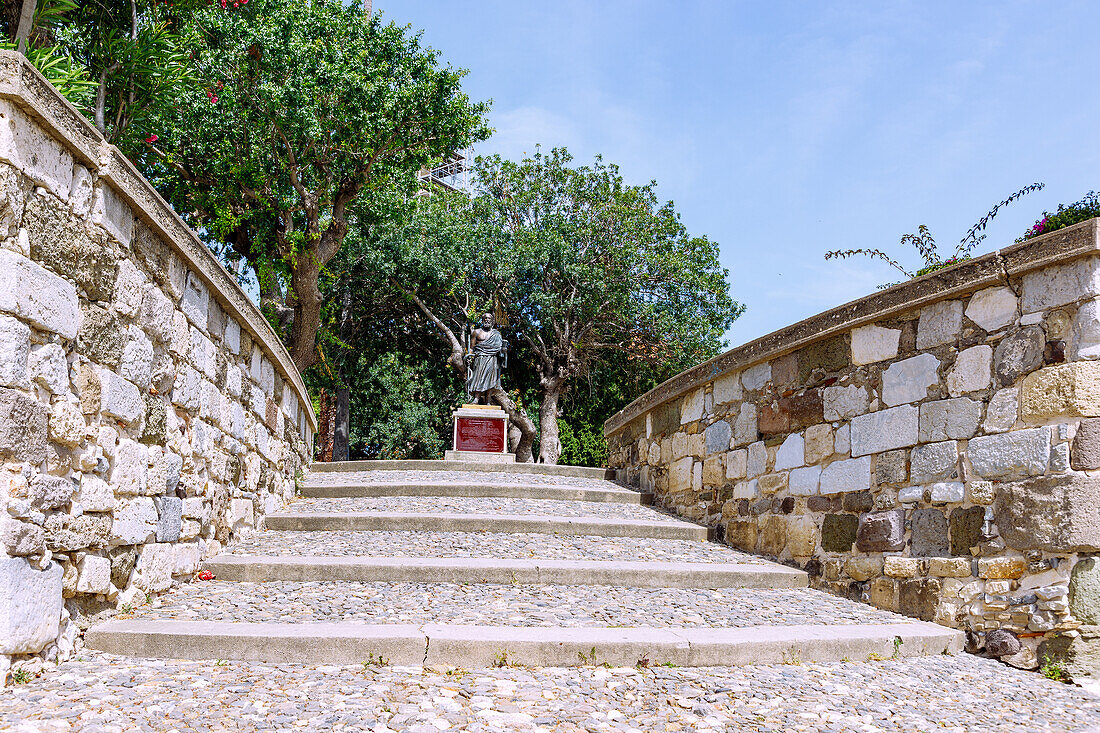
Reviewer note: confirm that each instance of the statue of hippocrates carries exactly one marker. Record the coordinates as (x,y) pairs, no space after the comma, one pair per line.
(486,358)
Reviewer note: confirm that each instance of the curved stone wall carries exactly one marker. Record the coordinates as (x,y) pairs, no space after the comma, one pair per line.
(932,449)
(148,413)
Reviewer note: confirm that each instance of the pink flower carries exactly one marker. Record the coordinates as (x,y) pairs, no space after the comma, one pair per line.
(151,139)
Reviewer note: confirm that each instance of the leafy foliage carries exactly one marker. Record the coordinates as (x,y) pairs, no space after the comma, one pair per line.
(1083,210)
(404,412)
(925,244)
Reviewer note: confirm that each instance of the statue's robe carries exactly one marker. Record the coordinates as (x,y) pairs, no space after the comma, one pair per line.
(485,364)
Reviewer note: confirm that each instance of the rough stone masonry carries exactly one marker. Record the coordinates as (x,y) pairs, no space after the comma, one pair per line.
(147,413)
(932,449)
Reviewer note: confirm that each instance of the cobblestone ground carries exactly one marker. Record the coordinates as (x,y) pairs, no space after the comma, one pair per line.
(483,505)
(506,605)
(343,478)
(485,544)
(102,693)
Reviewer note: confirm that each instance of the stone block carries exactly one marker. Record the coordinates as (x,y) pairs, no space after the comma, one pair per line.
(858,501)
(823,357)
(884,593)
(691,409)
(823,503)
(37,296)
(949,567)
(911,494)
(804,409)
(745,429)
(757,459)
(1085,455)
(154,567)
(65,533)
(971,371)
(232,336)
(1011,455)
(940,323)
(718,437)
(919,597)
(818,443)
(901,567)
(935,462)
(770,483)
(785,370)
(892,467)
(169,518)
(992,308)
(737,464)
(929,533)
(965,526)
(1000,414)
(1053,513)
(47,367)
(1085,333)
(881,531)
(50,492)
(95,494)
(863,568)
(1060,284)
(853,474)
(947,492)
(135,521)
(727,388)
(746,490)
(93,574)
(119,398)
(980,492)
(68,248)
(801,537)
(22,427)
(30,605)
(756,377)
(843,403)
(884,430)
(195,301)
(136,364)
(13,199)
(791,453)
(773,534)
(838,532)
(871,344)
(1001,568)
(66,424)
(129,467)
(29,147)
(1061,390)
(102,336)
(21,538)
(742,535)
(774,418)
(804,481)
(909,380)
(1084,591)
(129,285)
(680,474)
(954,419)
(1018,354)
(15,349)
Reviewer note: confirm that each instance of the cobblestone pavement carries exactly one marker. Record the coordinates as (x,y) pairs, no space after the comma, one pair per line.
(108,694)
(483,505)
(345,478)
(485,544)
(506,605)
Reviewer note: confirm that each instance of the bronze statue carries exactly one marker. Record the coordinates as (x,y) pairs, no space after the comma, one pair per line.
(486,358)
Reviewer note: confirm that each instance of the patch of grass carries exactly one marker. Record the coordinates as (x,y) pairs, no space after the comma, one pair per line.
(503,659)
(21,677)
(589,658)
(221,663)
(876,657)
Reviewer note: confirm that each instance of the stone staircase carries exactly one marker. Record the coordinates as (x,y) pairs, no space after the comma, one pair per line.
(460,565)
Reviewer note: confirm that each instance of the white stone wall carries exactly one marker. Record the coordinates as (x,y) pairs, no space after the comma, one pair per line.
(141,424)
(942,461)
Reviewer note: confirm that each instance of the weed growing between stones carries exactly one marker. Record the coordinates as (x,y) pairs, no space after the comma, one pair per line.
(1052,669)
(897,647)
(21,677)
(373,661)
(503,659)
(792,656)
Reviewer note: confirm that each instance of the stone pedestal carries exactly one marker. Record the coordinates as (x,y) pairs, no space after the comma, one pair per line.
(480,434)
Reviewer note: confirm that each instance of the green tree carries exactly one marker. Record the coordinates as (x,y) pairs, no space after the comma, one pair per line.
(304,107)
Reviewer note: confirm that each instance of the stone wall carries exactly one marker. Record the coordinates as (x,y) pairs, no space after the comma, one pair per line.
(931,449)
(148,413)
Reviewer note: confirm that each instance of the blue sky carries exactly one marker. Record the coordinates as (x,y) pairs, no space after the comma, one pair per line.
(785,129)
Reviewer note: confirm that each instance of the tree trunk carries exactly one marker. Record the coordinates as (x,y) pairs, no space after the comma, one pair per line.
(304,279)
(341,425)
(26,25)
(549,442)
(519,420)
(325,428)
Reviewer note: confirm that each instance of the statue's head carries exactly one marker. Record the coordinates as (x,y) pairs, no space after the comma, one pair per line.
(487,321)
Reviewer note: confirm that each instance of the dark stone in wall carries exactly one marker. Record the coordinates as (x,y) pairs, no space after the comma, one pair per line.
(666,418)
(826,356)
(929,533)
(805,409)
(101,337)
(892,467)
(22,427)
(123,560)
(858,501)
(823,503)
(881,531)
(918,597)
(1085,453)
(787,506)
(966,529)
(1018,354)
(785,370)
(838,532)
(1054,513)
(742,535)
(61,243)
(773,418)
(1001,642)
(156,421)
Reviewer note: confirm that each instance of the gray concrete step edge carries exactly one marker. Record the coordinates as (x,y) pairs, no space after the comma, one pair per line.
(473,490)
(473,647)
(468,466)
(261,568)
(511,523)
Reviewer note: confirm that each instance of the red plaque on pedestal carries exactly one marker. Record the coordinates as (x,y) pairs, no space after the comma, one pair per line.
(485,435)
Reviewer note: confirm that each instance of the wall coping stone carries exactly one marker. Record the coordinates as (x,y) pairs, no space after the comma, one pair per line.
(21,83)
(995,268)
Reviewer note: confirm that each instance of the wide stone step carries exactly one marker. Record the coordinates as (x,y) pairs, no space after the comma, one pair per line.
(448,522)
(462,466)
(253,568)
(473,647)
(332,490)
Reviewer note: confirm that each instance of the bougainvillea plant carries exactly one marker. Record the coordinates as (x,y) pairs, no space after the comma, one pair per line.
(1083,210)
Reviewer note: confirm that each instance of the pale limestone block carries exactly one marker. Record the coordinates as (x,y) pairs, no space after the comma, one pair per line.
(232,335)
(901,567)
(863,568)
(981,492)
(843,403)
(954,419)
(947,492)
(180,344)
(884,430)
(95,494)
(792,453)
(66,424)
(30,605)
(129,289)
(745,428)
(871,344)
(154,567)
(755,377)
(93,574)
(36,295)
(772,482)
(801,536)
(15,349)
(210,401)
(949,567)
(236,424)
(80,196)
(819,443)
(202,354)
(804,481)
(128,468)
(680,474)
(908,380)
(911,494)
(119,398)
(690,410)
(187,557)
(28,147)
(267,380)
(1063,390)
(992,308)
(972,370)
(843,443)
(934,462)
(137,359)
(112,213)
(940,323)
(853,474)
(737,464)
(727,389)
(186,392)
(1017,454)
(757,459)
(1060,284)
(1084,337)
(135,521)
(714,471)
(256,362)
(48,367)
(746,490)
(1000,415)
(195,301)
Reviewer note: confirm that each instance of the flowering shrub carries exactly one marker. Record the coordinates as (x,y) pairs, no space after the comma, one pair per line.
(1083,210)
